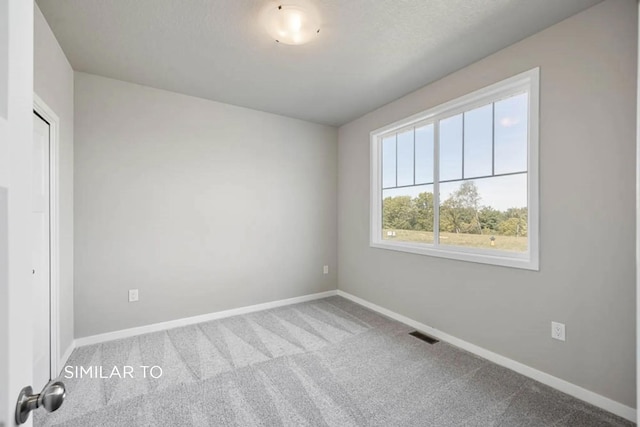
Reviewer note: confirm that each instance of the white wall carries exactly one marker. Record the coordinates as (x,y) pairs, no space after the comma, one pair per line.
(53,83)
(202,206)
(587,176)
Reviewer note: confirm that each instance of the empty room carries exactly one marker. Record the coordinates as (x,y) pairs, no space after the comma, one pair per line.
(319,213)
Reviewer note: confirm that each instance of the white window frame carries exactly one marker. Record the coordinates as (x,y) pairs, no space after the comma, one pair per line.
(528,81)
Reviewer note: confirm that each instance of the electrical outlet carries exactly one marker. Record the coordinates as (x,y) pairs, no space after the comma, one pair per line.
(133,295)
(557,331)
(325,270)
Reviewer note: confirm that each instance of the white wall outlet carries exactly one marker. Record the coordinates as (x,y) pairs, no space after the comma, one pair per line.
(557,331)
(133,295)
(325,270)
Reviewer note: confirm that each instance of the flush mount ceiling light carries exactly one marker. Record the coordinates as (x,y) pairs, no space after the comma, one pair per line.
(291,24)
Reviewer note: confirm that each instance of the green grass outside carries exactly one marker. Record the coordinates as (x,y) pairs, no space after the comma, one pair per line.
(503,243)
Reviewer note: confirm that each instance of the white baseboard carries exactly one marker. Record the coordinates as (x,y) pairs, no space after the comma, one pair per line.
(578,392)
(155,327)
(65,357)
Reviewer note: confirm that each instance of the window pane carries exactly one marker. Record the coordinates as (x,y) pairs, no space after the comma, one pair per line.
(424,154)
(389,162)
(407,214)
(511,127)
(405,158)
(488,213)
(478,135)
(451,148)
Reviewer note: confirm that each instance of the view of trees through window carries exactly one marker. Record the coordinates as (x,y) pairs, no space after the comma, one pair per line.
(464,220)
(482,179)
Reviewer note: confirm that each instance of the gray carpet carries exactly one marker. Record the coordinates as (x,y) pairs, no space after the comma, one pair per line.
(323,363)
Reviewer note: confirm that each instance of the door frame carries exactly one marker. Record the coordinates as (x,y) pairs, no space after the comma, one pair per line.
(43,110)
(638,221)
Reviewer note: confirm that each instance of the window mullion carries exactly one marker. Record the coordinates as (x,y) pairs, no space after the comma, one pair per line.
(493,138)
(381,181)
(436,183)
(396,143)
(462,172)
(414,155)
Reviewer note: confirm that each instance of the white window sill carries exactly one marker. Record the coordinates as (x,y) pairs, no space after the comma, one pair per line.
(499,258)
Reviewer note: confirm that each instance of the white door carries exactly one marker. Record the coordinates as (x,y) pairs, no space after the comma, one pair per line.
(16,135)
(40,250)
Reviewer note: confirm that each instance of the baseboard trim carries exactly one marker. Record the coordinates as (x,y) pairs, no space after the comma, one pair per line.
(65,357)
(571,389)
(155,327)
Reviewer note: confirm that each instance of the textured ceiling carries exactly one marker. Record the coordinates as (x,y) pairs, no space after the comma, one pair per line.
(368,53)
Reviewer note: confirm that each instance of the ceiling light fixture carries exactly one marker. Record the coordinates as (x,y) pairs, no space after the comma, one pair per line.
(290,24)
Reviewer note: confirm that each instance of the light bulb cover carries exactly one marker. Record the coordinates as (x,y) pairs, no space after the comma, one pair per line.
(291,24)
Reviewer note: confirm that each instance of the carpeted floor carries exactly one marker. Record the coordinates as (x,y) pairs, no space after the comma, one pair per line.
(327,362)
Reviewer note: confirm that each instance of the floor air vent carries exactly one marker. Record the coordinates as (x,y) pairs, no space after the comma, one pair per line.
(423,337)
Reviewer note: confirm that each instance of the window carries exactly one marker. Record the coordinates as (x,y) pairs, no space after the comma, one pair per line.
(460,180)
